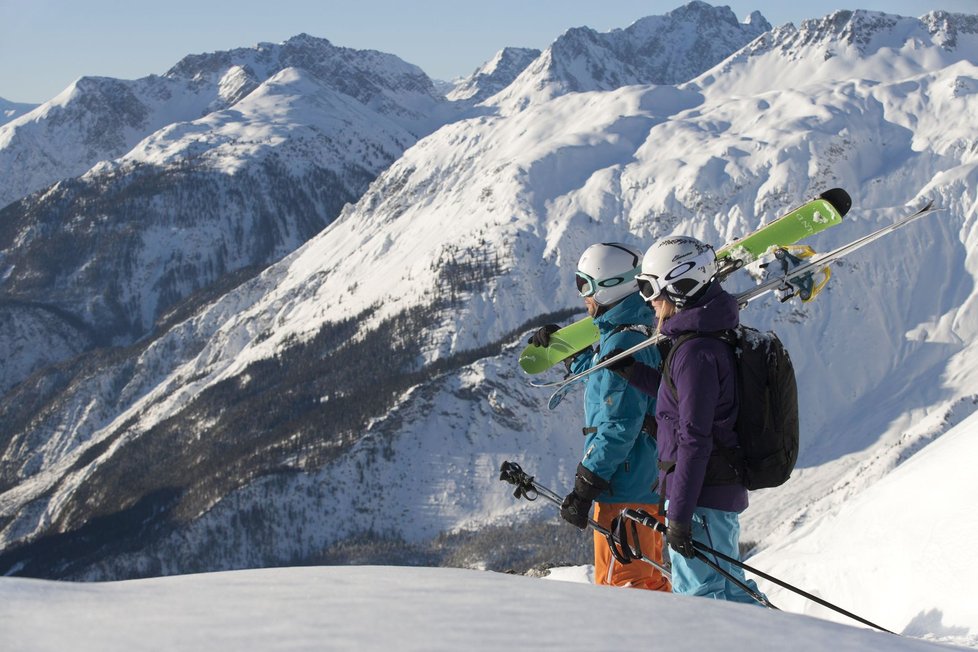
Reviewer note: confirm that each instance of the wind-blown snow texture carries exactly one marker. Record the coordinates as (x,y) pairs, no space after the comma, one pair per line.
(223,442)
(386,608)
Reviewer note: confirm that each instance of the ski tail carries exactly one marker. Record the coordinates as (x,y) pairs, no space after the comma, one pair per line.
(839,199)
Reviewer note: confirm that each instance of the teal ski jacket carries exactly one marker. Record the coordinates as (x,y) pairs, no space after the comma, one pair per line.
(616,448)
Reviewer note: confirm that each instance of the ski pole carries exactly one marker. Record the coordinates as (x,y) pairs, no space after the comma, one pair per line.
(650,521)
(527,487)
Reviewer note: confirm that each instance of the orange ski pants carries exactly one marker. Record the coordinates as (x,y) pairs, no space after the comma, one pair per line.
(638,574)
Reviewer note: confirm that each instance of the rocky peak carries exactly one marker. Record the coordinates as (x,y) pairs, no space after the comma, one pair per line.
(668,49)
(495,75)
(868,31)
(362,74)
(947,27)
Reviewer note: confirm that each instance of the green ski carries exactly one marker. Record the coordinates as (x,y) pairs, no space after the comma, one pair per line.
(563,344)
(808,219)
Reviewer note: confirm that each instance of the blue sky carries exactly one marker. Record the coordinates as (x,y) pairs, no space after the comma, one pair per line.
(46,44)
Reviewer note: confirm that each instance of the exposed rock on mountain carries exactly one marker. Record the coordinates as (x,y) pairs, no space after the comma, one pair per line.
(495,75)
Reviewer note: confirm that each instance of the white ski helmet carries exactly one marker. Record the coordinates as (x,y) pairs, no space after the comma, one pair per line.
(607,272)
(677,266)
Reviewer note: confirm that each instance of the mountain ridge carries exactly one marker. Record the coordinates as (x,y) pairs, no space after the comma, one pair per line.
(236,188)
(125,112)
(667,49)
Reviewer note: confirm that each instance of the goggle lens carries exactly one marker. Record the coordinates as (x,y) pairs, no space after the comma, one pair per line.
(648,287)
(585,284)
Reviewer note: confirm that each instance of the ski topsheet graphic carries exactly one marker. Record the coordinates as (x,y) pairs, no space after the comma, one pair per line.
(808,219)
(789,281)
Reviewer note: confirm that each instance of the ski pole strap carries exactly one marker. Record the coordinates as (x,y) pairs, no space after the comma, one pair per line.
(623,548)
(622,554)
(512,473)
(634,545)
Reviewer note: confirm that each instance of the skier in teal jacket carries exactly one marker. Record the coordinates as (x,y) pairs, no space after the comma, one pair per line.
(619,467)
(615,446)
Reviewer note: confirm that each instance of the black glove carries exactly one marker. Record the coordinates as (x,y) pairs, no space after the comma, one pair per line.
(680,538)
(621,367)
(542,335)
(577,504)
(575,510)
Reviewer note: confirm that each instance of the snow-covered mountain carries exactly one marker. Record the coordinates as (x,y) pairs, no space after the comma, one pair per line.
(252,152)
(354,400)
(187,172)
(10,110)
(100,119)
(668,49)
(493,76)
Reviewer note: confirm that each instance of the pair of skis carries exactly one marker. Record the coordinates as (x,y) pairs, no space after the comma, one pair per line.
(808,219)
(792,279)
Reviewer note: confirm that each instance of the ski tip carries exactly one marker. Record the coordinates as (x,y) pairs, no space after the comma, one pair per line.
(839,199)
(555,400)
(929,206)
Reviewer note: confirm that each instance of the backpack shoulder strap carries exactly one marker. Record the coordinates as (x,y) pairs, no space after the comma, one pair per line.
(729,336)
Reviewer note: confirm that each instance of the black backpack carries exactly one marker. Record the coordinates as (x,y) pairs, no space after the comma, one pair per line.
(767,418)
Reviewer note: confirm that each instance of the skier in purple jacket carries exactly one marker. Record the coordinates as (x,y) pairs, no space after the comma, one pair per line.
(703,500)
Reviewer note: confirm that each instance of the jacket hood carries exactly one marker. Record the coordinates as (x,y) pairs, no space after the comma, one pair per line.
(716,310)
(630,310)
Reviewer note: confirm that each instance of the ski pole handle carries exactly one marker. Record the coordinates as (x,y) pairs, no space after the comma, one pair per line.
(512,473)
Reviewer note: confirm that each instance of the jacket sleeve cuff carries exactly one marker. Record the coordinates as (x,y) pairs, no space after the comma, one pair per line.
(587,484)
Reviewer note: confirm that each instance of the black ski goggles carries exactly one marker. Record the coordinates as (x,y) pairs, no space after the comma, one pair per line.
(649,286)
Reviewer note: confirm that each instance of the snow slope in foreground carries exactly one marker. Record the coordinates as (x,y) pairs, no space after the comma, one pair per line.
(897,547)
(386,608)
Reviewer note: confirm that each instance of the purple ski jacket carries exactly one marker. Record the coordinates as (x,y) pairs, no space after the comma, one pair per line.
(703,370)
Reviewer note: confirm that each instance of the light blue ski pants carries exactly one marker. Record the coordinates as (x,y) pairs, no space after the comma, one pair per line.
(719,530)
